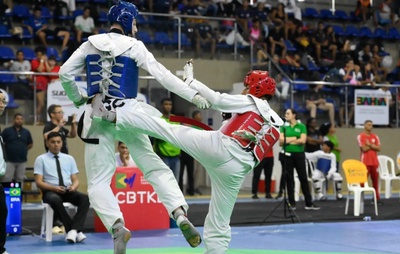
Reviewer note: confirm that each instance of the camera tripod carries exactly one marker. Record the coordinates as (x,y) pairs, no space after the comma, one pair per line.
(288,211)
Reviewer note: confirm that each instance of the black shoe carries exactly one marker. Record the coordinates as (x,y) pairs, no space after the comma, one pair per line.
(268,196)
(312,207)
(378,203)
(197,191)
(254,196)
(280,195)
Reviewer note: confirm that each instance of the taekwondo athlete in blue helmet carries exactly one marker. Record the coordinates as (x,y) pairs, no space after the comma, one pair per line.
(227,154)
(111,61)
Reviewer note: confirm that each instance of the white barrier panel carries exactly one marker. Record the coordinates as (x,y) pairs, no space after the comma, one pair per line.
(371,105)
(56,95)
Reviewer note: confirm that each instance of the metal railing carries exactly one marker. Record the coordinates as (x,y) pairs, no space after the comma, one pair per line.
(180,21)
(337,84)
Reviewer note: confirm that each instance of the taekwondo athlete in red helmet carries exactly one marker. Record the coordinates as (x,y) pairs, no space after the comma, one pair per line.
(228,154)
(112,61)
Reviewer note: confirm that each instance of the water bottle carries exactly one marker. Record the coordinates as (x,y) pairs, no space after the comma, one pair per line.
(367,218)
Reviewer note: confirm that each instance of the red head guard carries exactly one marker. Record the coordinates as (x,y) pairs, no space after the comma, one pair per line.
(260,83)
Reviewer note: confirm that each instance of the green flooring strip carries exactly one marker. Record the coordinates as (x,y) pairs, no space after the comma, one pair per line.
(197,250)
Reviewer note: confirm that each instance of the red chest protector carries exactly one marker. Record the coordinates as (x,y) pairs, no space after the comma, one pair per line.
(248,129)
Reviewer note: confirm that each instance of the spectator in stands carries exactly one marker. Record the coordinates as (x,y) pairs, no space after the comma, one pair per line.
(56,174)
(53,67)
(367,76)
(123,157)
(278,15)
(365,55)
(300,39)
(261,13)
(315,99)
(332,42)
(350,74)
(292,8)
(363,10)
(370,145)
(40,64)
(17,140)
(57,124)
(243,16)
(385,15)
(205,36)
(378,69)
(314,137)
(21,89)
(322,43)
(276,41)
(167,152)
(226,8)
(84,25)
(37,26)
(71,5)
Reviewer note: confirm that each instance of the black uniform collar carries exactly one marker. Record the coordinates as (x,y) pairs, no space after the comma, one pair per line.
(117,31)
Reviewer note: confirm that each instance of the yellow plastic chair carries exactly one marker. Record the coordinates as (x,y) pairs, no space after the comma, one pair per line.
(387,173)
(356,174)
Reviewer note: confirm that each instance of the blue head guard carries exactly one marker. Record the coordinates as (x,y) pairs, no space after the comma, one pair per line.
(123,13)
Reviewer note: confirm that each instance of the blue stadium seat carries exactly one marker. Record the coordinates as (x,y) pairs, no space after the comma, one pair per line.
(326,14)
(300,87)
(185,42)
(341,15)
(298,108)
(46,13)
(51,51)
(352,31)
(380,33)
(353,17)
(21,11)
(77,13)
(145,37)
(290,46)
(25,34)
(6,53)
(162,38)
(393,34)
(102,17)
(11,102)
(366,32)
(4,32)
(7,79)
(338,30)
(29,53)
(311,13)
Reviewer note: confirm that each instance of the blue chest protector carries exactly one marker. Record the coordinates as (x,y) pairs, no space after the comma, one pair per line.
(324,165)
(120,80)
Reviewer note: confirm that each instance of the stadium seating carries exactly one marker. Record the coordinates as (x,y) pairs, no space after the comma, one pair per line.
(29,53)
(6,53)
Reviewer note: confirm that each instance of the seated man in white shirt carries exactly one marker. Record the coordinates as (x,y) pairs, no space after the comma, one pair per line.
(291,7)
(56,174)
(122,157)
(325,168)
(84,25)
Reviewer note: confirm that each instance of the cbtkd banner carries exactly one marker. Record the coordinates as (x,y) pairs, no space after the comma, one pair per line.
(137,200)
(371,105)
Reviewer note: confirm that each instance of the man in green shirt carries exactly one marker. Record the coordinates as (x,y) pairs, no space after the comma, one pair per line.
(168,153)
